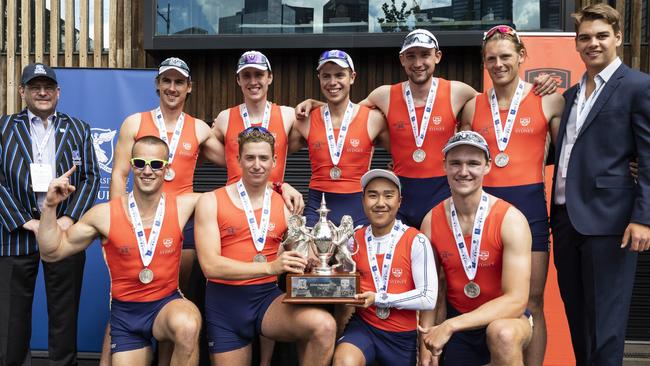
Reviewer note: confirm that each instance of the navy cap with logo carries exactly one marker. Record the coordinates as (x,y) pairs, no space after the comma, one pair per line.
(37,70)
(174,63)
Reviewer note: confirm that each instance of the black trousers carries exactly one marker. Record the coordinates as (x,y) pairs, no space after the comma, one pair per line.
(63,288)
(595,277)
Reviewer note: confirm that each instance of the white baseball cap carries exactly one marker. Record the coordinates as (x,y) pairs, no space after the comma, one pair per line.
(380,173)
(470,138)
(338,57)
(174,63)
(254,59)
(419,38)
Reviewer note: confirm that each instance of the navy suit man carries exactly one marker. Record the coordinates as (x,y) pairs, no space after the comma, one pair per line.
(36,145)
(601,215)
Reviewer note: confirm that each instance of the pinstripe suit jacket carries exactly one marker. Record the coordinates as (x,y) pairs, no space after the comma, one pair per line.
(17,199)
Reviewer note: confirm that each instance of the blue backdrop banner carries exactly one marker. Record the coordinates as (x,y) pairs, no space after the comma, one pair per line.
(103,98)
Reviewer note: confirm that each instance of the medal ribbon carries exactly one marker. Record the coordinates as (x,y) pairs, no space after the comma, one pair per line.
(381,279)
(176,137)
(426,116)
(243,111)
(502,132)
(147,249)
(257,232)
(470,262)
(40,146)
(336,147)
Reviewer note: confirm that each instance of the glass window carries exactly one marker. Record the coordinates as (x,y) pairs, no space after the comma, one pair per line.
(346,16)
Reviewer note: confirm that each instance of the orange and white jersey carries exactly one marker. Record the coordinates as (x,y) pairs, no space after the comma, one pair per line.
(412,280)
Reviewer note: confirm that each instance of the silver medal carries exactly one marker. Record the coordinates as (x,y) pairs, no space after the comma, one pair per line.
(335,173)
(170,174)
(382,313)
(472,290)
(259,258)
(146,276)
(501,160)
(419,155)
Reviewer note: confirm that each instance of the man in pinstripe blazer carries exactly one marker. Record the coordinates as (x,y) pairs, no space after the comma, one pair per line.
(36,145)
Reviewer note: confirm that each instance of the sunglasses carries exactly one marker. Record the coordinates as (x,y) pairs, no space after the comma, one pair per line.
(252,129)
(155,164)
(419,38)
(334,54)
(502,29)
(467,136)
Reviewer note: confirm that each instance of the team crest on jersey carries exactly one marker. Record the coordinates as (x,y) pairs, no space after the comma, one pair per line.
(271,226)
(524,121)
(354,142)
(103,145)
(187,146)
(167,242)
(230,230)
(399,125)
(484,255)
(436,120)
(397,272)
(445,255)
(316,145)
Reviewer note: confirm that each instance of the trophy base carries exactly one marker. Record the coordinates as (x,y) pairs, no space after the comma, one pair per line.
(337,288)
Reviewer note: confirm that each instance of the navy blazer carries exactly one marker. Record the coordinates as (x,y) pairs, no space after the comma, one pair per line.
(601,196)
(17,200)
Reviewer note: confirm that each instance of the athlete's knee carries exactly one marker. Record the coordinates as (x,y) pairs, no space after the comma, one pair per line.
(342,358)
(322,327)
(185,327)
(502,338)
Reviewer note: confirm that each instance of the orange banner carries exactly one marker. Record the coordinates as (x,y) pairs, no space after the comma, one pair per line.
(555,55)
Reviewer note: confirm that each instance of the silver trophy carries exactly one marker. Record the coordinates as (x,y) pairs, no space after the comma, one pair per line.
(327,239)
(336,283)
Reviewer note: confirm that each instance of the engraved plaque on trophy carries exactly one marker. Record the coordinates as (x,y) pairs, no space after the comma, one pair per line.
(324,284)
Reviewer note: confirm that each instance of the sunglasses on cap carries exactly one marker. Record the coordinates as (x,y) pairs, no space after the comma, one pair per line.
(155,164)
(421,38)
(334,55)
(253,129)
(502,29)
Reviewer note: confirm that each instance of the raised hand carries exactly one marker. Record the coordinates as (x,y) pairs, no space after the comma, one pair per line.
(60,189)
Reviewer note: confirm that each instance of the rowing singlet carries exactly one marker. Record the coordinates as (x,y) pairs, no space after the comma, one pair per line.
(123,256)
(442,126)
(488,275)
(236,239)
(355,159)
